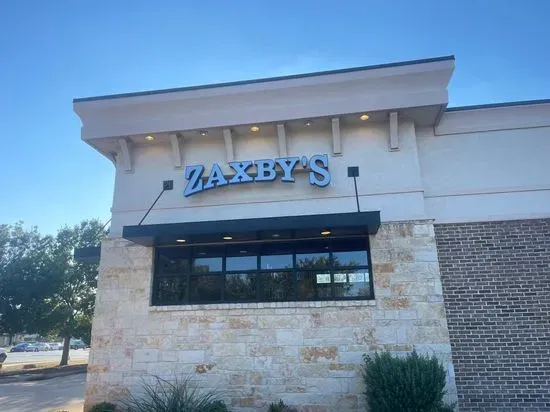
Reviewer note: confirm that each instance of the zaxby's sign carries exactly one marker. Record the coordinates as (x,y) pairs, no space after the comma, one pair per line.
(266,171)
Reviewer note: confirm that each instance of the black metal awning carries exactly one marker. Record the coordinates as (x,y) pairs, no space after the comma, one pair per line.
(243,230)
(291,227)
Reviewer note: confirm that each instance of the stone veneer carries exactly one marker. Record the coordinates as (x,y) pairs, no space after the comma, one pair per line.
(306,353)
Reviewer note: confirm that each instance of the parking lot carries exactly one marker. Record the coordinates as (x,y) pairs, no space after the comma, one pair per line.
(37,357)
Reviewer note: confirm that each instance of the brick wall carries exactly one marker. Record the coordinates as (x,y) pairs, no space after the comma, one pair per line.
(496,285)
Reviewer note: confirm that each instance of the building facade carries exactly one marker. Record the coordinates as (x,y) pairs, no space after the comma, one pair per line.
(267,234)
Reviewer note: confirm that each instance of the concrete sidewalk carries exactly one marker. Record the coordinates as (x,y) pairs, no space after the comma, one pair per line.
(61,394)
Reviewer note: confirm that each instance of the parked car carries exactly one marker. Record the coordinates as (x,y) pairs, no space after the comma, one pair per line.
(38,347)
(32,347)
(20,347)
(77,344)
(3,355)
(55,345)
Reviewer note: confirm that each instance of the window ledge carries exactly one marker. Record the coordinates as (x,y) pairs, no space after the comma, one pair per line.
(264,305)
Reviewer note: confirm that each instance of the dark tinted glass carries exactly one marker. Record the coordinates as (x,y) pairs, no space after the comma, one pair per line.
(312,260)
(314,284)
(276,256)
(207,265)
(326,268)
(205,288)
(349,252)
(312,254)
(276,262)
(171,290)
(351,283)
(241,263)
(208,259)
(276,286)
(240,286)
(351,258)
(173,260)
(241,257)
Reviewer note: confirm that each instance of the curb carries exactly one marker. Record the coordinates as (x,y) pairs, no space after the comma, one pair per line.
(39,376)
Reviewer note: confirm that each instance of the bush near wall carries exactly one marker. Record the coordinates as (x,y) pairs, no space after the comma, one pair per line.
(412,383)
(177,396)
(281,407)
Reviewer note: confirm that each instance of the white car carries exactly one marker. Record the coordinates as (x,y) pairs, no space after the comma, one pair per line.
(3,355)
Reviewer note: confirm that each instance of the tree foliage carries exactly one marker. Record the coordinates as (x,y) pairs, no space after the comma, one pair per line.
(71,305)
(42,288)
(25,277)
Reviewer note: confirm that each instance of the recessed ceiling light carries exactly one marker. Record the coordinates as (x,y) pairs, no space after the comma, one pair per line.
(203,132)
(326,232)
(202,253)
(364,116)
(149,138)
(275,235)
(308,123)
(181,240)
(243,251)
(227,237)
(254,129)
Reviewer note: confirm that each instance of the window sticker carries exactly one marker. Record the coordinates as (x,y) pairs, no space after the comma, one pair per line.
(340,278)
(357,277)
(323,278)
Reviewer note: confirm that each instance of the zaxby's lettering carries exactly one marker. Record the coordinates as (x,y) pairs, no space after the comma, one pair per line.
(263,170)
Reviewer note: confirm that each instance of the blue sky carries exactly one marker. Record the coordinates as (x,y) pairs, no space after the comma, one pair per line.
(52,52)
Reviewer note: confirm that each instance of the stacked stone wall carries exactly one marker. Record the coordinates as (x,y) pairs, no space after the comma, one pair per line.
(307,353)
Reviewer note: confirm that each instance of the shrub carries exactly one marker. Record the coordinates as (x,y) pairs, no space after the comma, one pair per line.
(103,407)
(177,396)
(410,384)
(280,407)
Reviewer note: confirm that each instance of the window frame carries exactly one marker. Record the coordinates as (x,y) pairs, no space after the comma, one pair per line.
(294,270)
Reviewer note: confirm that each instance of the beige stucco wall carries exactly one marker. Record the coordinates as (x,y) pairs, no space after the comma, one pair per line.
(307,353)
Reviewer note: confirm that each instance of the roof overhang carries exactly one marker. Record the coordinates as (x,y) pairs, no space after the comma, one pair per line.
(257,229)
(417,88)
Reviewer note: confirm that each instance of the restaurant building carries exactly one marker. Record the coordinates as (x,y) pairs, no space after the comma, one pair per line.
(266,234)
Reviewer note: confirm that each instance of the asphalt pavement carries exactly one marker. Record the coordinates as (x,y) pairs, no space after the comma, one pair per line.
(52,395)
(37,357)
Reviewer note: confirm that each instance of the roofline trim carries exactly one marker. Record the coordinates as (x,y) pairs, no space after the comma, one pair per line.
(497,105)
(264,80)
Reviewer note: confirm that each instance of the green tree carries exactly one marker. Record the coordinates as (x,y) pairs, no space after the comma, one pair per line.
(25,258)
(69,309)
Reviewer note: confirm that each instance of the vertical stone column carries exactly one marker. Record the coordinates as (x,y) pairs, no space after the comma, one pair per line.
(121,321)
(410,308)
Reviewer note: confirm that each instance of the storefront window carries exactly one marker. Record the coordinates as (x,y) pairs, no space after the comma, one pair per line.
(207,259)
(277,286)
(301,270)
(240,287)
(314,285)
(349,283)
(205,288)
